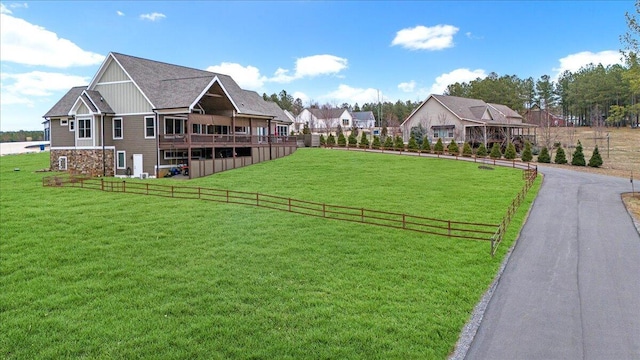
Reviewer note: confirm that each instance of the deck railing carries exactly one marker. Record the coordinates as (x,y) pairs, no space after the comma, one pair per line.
(224,139)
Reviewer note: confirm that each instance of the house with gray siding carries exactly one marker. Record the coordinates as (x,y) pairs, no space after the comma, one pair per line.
(139,117)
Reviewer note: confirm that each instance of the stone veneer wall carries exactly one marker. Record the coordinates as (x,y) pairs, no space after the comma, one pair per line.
(88,162)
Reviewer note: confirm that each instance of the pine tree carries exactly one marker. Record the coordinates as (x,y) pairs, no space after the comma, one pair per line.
(399,143)
(466,150)
(331,140)
(510,153)
(413,144)
(305,129)
(578,156)
(526,153)
(426,146)
(561,157)
(364,141)
(323,141)
(438,148)
(353,141)
(376,142)
(496,153)
(482,150)
(544,156)
(596,159)
(342,141)
(453,148)
(388,143)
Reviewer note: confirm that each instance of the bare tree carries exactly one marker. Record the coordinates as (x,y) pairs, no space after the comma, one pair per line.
(328,116)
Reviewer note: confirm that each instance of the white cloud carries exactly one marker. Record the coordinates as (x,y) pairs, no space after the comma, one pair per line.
(574,62)
(348,94)
(29,44)
(24,88)
(426,38)
(247,77)
(457,75)
(311,66)
(4,9)
(302,96)
(407,86)
(120,13)
(153,16)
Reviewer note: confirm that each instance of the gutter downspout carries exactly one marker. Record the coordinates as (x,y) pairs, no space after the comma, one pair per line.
(104,167)
(156,123)
(269,133)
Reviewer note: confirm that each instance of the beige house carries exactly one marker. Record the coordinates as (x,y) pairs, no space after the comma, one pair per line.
(468,120)
(139,117)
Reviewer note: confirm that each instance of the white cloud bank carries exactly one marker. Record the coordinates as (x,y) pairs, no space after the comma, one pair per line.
(426,38)
(21,88)
(28,44)
(457,75)
(407,86)
(351,95)
(249,77)
(574,62)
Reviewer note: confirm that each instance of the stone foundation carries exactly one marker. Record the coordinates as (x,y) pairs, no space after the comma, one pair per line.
(88,162)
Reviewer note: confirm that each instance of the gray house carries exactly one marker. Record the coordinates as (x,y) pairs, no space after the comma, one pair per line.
(139,117)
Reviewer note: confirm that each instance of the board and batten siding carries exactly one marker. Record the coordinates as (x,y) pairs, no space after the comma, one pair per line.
(124,98)
(113,73)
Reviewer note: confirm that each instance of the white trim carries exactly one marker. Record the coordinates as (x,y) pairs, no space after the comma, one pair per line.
(113,128)
(74,109)
(84,92)
(132,114)
(124,166)
(114,82)
(206,88)
(172,111)
(81,147)
(64,122)
(104,67)
(72,125)
(66,163)
(155,130)
(91,128)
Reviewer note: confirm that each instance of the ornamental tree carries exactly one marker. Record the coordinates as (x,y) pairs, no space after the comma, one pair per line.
(496,153)
(482,150)
(526,153)
(413,144)
(399,144)
(453,148)
(544,156)
(510,152)
(578,156)
(596,159)
(561,157)
(466,150)
(438,148)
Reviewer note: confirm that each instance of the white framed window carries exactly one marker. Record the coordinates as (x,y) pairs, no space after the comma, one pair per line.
(84,128)
(197,128)
(72,125)
(174,126)
(117,128)
(175,154)
(241,130)
(149,127)
(282,130)
(121,160)
(62,163)
(64,122)
(345,122)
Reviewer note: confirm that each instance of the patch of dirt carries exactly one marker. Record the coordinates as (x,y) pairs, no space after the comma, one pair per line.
(620,157)
(633,205)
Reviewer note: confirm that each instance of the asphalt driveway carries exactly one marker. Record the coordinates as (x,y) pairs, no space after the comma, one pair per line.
(571,288)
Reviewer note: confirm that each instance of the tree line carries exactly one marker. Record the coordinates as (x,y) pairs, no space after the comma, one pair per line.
(22,135)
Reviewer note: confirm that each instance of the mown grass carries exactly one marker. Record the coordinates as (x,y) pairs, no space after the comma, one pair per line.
(102,275)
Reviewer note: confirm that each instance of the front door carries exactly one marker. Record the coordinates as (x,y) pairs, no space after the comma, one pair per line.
(137,165)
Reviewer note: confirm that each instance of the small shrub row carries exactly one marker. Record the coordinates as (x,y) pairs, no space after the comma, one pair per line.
(577,159)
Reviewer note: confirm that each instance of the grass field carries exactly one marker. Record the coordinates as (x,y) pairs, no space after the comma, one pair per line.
(101,275)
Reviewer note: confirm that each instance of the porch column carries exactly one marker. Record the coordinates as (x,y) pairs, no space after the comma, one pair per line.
(485,135)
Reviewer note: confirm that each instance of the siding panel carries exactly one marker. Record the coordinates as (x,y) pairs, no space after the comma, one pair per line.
(113,73)
(124,98)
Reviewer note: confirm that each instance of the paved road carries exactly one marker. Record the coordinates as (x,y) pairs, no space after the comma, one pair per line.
(571,289)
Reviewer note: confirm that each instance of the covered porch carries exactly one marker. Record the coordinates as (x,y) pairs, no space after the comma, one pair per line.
(488,134)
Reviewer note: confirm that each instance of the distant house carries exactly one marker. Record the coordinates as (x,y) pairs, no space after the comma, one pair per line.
(542,117)
(325,119)
(467,120)
(139,116)
(363,119)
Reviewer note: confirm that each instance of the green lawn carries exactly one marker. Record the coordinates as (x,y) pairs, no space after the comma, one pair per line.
(103,275)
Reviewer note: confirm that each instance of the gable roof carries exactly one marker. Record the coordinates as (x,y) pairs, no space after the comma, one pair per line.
(334,113)
(168,86)
(363,115)
(473,110)
(63,106)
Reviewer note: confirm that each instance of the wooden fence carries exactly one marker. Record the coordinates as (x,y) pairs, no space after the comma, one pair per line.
(439,227)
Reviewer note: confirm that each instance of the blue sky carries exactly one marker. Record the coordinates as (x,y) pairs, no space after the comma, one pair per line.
(325,52)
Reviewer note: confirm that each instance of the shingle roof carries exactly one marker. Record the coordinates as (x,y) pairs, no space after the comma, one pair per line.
(63,106)
(363,115)
(174,86)
(334,113)
(99,101)
(468,109)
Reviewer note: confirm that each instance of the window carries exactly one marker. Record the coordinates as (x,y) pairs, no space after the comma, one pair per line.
(174,126)
(84,128)
(241,130)
(72,125)
(63,122)
(282,130)
(117,128)
(62,163)
(443,131)
(47,131)
(197,128)
(149,127)
(221,129)
(180,154)
(345,122)
(121,160)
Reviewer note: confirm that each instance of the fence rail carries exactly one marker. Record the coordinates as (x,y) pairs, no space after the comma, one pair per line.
(426,225)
